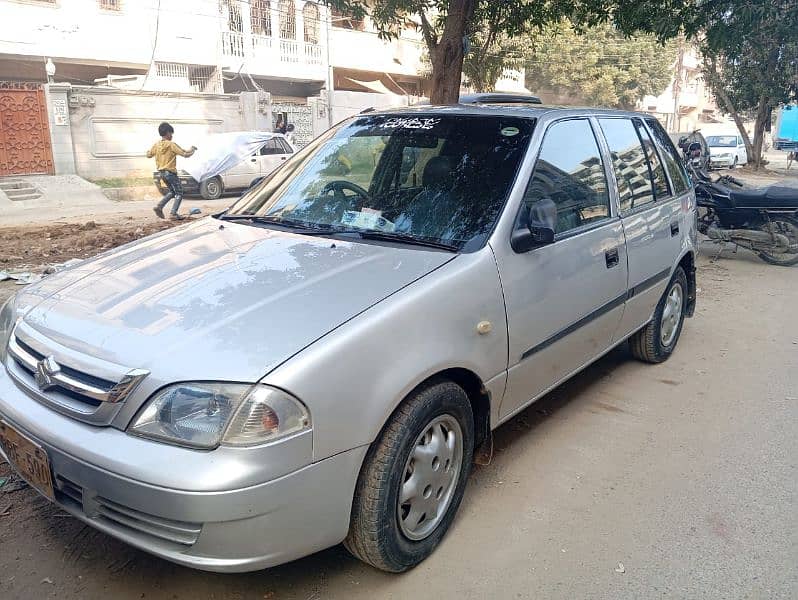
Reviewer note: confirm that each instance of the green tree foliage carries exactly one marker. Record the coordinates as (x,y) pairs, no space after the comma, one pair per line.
(599,65)
(751,59)
(446,23)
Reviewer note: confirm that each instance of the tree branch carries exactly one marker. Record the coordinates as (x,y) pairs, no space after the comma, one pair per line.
(428,32)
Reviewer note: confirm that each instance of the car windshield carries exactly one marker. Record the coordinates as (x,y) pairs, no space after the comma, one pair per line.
(434,177)
(722,141)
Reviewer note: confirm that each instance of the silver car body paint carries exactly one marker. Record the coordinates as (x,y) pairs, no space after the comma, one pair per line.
(350,328)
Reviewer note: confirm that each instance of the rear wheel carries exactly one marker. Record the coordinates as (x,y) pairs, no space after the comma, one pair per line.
(413,479)
(657,340)
(211,189)
(788,228)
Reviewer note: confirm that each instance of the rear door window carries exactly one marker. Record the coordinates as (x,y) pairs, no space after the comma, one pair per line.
(670,156)
(632,173)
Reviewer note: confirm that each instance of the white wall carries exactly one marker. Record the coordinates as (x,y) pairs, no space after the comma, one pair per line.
(345,104)
(78,29)
(364,51)
(113,129)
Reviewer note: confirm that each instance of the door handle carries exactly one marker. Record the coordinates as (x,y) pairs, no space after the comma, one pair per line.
(283,158)
(253,160)
(674,228)
(611,256)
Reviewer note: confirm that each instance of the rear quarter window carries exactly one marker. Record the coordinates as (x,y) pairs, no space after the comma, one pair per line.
(673,165)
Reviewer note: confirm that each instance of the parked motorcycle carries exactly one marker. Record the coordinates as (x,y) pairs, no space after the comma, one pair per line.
(764,220)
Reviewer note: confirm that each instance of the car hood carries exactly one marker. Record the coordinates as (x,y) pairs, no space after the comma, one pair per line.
(719,150)
(217,301)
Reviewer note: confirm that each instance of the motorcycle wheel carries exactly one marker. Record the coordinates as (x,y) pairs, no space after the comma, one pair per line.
(788,227)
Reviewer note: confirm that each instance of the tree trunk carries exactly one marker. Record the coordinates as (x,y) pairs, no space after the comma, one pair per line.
(447,57)
(762,111)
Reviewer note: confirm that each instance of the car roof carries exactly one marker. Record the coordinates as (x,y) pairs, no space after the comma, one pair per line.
(510,110)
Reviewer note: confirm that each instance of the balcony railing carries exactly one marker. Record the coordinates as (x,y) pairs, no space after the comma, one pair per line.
(233,44)
(263,48)
(312,54)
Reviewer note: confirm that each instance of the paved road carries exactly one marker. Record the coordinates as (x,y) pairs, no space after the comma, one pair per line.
(684,472)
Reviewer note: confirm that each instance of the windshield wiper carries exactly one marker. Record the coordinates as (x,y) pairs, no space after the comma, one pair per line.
(392,236)
(287,223)
(323,229)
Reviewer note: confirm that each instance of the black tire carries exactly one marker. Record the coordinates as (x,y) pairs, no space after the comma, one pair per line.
(647,344)
(212,189)
(375,535)
(784,225)
(734,166)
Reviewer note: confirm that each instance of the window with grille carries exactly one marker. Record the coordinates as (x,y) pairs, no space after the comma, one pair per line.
(287,19)
(310,17)
(110,4)
(231,12)
(198,78)
(261,17)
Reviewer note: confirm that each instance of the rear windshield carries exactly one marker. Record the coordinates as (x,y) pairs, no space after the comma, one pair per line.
(441,178)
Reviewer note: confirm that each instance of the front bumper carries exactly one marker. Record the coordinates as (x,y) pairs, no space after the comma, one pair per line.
(191,186)
(229,531)
(720,162)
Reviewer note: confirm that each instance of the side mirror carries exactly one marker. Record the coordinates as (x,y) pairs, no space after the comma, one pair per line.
(540,219)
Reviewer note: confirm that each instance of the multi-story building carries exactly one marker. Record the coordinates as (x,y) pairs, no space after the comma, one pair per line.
(687,102)
(171,58)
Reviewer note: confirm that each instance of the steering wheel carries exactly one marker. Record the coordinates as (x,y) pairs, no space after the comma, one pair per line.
(339,185)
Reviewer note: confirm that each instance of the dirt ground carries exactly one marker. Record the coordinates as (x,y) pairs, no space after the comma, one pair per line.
(35,246)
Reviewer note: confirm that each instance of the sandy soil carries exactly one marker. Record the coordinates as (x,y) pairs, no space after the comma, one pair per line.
(33,247)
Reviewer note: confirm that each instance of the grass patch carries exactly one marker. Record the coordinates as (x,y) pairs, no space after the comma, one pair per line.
(118,182)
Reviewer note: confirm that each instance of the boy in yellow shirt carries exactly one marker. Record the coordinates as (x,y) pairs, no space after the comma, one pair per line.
(166,153)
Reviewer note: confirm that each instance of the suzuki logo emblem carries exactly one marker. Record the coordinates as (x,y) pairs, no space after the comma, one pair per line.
(46,370)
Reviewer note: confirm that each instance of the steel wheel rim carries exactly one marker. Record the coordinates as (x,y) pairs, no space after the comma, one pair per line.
(671,314)
(213,188)
(788,230)
(430,477)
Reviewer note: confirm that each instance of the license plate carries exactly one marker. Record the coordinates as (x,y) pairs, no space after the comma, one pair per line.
(28,458)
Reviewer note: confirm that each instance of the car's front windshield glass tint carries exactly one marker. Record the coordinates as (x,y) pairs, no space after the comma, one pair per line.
(722,141)
(438,178)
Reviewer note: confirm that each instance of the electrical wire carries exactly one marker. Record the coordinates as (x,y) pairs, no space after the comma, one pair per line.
(154,46)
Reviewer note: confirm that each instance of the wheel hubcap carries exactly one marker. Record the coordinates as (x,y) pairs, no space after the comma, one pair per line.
(671,315)
(430,477)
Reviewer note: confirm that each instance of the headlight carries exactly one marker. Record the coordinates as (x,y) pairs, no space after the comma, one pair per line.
(205,415)
(8,318)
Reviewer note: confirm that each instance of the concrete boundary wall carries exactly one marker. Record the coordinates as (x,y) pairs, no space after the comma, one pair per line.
(111,130)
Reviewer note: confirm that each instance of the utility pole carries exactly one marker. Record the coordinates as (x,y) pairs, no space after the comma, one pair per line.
(329,69)
(677,88)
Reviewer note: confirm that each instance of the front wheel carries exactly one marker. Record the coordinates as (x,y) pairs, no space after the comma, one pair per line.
(656,341)
(788,228)
(211,189)
(413,479)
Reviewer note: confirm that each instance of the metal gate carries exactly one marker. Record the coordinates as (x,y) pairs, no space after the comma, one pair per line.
(24,132)
(301,115)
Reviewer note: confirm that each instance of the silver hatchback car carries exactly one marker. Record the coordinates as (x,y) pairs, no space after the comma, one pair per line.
(321,362)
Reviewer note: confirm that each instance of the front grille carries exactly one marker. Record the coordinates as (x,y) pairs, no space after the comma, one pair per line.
(92,385)
(65,379)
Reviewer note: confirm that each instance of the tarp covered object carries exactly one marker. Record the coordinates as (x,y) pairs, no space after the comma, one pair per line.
(222,151)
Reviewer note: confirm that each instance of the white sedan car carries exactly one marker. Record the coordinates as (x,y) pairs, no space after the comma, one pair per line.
(271,155)
(726,151)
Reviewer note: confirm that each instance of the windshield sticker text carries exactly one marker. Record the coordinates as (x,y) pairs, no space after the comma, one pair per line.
(411,123)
